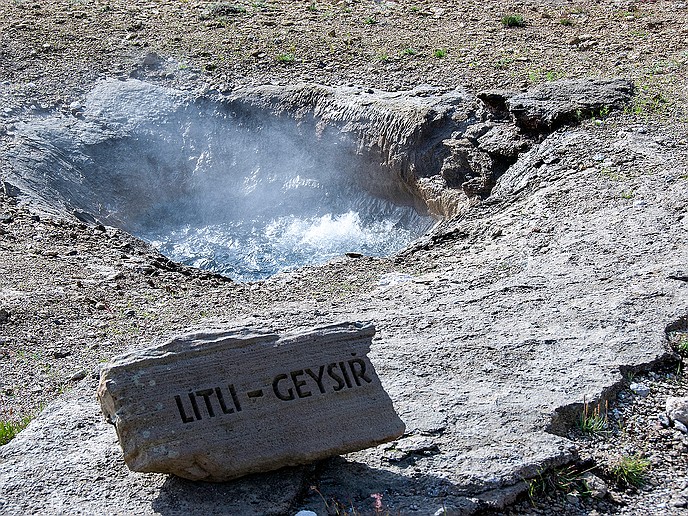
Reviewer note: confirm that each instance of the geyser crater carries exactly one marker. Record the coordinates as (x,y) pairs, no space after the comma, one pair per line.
(269,178)
(224,185)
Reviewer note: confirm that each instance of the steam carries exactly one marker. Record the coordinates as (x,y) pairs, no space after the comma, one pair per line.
(221,186)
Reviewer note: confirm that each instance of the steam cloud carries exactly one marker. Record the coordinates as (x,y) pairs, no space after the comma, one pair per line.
(215,185)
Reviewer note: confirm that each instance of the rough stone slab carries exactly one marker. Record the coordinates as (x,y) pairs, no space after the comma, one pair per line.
(561,102)
(219,405)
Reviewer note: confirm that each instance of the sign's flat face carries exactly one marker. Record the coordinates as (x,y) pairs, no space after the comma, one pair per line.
(223,404)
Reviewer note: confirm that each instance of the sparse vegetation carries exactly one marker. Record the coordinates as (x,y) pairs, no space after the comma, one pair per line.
(682,345)
(409,51)
(9,428)
(566,22)
(439,53)
(503,63)
(613,175)
(286,58)
(370,20)
(513,20)
(648,100)
(665,66)
(223,10)
(537,75)
(564,480)
(598,116)
(593,421)
(630,470)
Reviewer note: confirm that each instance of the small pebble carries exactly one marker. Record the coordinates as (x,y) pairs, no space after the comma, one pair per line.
(680,427)
(640,389)
(78,375)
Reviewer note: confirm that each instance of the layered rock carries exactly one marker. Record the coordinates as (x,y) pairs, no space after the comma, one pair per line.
(222,404)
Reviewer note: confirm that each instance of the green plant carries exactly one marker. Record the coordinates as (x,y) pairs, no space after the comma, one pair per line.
(613,175)
(648,101)
(409,51)
(536,487)
(630,470)
(370,21)
(569,478)
(502,63)
(439,53)
(513,20)
(595,421)
(223,10)
(286,58)
(623,13)
(627,194)
(10,428)
(682,344)
(565,479)
(536,75)
(382,56)
(328,14)
(668,66)
(566,22)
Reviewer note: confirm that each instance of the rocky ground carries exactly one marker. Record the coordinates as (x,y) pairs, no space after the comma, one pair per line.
(72,294)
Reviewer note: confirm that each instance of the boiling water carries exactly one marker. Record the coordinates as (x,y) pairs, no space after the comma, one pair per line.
(249,250)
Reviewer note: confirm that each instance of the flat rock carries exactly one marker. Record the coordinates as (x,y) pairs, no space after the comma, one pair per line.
(222,404)
(560,102)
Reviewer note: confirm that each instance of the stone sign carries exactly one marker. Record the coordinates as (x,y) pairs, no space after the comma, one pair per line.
(218,405)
